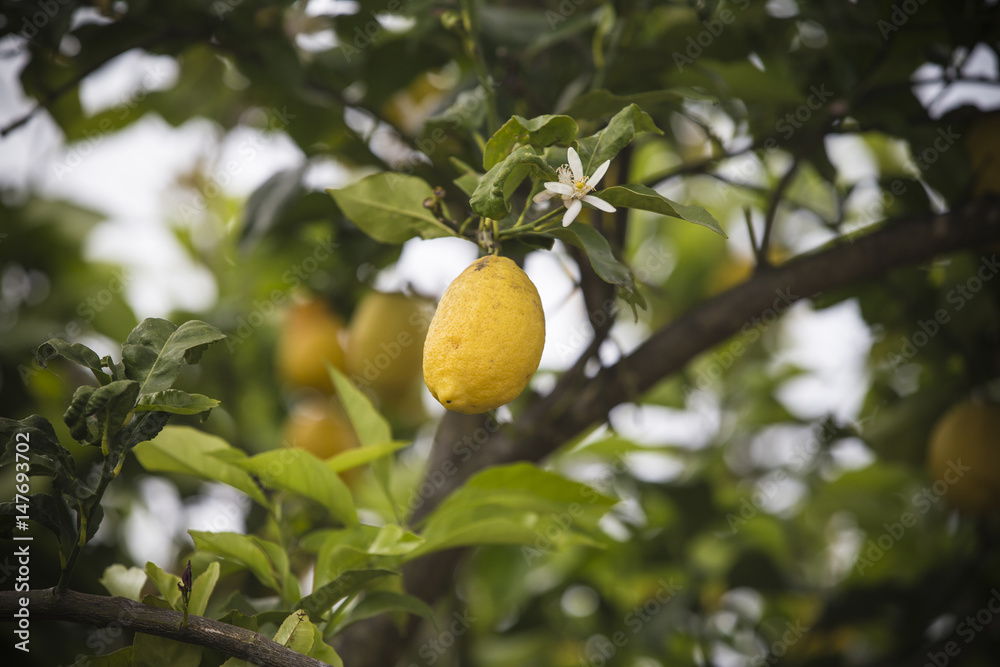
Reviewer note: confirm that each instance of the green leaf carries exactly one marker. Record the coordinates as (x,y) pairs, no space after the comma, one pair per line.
(202,587)
(606,266)
(192,452)
(120,658)
(376,603)
(96,413)
(469,180)
(357,456)
(338,551)
(467,112)
(618,134)
(371,427)
(166,584)
(126,582)
(393,540)
(144,426)
(441,535)
(76,417)
(235,617)
(242,549)
(76,352)
(390,208)
(154,351)
(648,199)
(35,429)
(348,583)
(45,454)
(513,505)
(741,79)
(527,481)
(156,651)
(490,198)
(300,634)
(176,402)
(601,104)
(324,652)
(505,526)
(301,472)
(538,132)
(281,566)
(50,511)
(297,632)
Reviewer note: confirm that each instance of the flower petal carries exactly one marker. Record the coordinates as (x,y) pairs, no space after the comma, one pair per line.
(575,164)
(572,211)
(559,189)
(598,173)
(543,196)
(597,202)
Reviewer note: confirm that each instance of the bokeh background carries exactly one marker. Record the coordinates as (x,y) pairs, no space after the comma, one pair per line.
(181,174)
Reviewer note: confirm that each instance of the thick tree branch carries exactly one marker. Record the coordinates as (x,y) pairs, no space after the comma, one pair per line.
(550,422)
(577,403)
(102,610)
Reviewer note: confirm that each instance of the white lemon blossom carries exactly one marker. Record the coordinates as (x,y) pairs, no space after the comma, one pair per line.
(574,187)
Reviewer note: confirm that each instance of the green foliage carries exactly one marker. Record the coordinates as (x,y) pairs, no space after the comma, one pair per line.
(301,472)
(720,114)
(107,416)
(390,208)
(186,450)
(539,133)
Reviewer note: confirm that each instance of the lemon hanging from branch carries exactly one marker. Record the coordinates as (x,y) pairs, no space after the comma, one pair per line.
(485,340)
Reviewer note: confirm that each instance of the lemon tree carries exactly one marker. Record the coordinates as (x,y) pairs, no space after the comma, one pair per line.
(787,459)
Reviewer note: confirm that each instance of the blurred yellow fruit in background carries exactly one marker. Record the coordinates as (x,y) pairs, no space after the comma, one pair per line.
(737,269)
(965,455)
(486,338)
(320,426)
(385,346)
(310,336)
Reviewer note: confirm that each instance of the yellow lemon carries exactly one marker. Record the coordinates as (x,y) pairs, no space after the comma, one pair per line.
(485,340)
(320,427)
(310,337)
(965,455)
(385,344)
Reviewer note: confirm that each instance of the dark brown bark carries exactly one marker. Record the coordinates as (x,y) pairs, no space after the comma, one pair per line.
(105,610)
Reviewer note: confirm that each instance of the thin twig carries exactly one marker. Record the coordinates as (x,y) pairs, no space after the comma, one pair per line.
(66,87)
(772,210)
(747,215)
(694,167)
